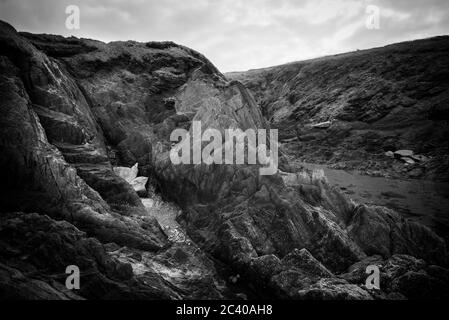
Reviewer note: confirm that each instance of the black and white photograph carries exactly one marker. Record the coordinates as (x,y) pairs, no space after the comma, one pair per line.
(240,152)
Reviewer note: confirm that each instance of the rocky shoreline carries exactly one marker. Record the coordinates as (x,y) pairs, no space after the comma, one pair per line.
(348,110)
(75,109)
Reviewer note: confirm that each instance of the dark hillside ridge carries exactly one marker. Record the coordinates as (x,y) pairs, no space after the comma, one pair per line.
(378,100)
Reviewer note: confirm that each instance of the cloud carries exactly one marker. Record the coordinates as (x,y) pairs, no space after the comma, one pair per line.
(239,34)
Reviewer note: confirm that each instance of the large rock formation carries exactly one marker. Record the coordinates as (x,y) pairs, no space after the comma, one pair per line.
(74,108)
(347,110)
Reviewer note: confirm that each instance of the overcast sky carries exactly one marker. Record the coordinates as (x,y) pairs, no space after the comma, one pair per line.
(239,34)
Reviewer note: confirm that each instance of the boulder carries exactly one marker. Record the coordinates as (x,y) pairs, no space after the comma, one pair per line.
(403,275)
(322,125)
(303,260)
(403,153)
(419,158)
(381,231)
(408,160)
(333,289)
(17,285)
(139,185)
(46,247)
(129,174)
(301,276)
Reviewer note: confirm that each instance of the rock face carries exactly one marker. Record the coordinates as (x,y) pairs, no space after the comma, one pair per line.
(139,184)
(36,251)
(404,153)
(403,276)
(378,100)
(130,175)
(73,109)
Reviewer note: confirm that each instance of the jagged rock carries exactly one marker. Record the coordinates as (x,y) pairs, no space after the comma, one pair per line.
(129,174)
(322,125)
(380,99)
(265,267)
(408,160)
(301,276)
(64,115)
(416,172)
(379,230)
(333,289)
(45,247)
(419,158)
(389,154)
(36,177)
(14,285)
(287,284)
(403,275)
(403,153)
(58,46)
(57,160)
(200,97)
(304,260)
(139,184)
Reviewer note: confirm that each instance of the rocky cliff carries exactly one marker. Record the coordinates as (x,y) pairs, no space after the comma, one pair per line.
(349,110)
(73,109)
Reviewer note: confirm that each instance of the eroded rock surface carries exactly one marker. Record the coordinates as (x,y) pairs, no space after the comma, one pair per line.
(72,109)
(349,109)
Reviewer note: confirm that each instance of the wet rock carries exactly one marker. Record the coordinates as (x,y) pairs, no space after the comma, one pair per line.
(60,116)
(379,230)
(110,247)
(14,285)
(403,153)
(288,284)
(416,173)
(333,289)
(303,277)
(303,259)
(129,174)
(46,247)
(287,234)
(419,158)
(36,176)
(58,46)
(408,160)
(265,267)
(403,275)
(419,285)
(322,125)
(139,185)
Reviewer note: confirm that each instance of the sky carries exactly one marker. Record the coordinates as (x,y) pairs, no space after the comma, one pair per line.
(238,35)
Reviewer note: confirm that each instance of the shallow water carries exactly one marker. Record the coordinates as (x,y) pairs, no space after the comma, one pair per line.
(423,201)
